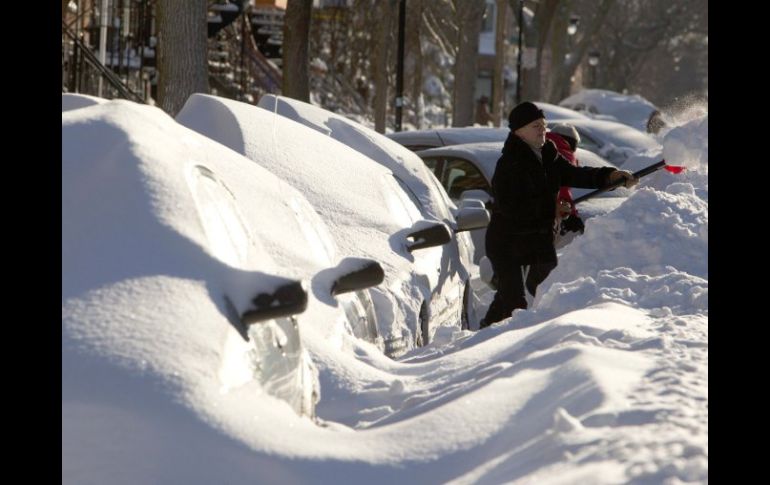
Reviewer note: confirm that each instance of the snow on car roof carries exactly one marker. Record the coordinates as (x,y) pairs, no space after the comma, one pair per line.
(450,136)
(554,112)
(618,134)
(632,110)
(400,160)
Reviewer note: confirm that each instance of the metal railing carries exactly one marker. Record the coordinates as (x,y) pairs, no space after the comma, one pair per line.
(237,68)
(81,68)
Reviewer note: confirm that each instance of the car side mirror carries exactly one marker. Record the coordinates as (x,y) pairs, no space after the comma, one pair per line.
(471,203)
(469,218)
(289,299)
(431,236)
(371,274)
(476,194)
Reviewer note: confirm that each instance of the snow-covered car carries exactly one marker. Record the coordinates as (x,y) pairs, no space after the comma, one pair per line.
(631,110)
(554,112)
(187,274)
(466,171)
(407,167)
(612,141)
(417,140)
(414,177)
(363,203)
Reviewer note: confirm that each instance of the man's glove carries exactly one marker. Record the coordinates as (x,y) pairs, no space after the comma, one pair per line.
(574,224)
(629,179)
(549,152)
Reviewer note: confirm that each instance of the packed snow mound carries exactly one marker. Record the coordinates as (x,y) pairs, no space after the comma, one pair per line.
(597,391)
(70,101)
(404,163)
(648,253)
(683,146)
(688,144)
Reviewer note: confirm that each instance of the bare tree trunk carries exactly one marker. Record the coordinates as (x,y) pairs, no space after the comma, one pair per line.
(564,70)
(387,10)
(497,78)
(469,16)
(544,17)
(182,52)
(296,29)
(535,37)
(414,58)
(557,84)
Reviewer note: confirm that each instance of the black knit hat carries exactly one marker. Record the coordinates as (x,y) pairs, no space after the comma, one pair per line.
(524,114)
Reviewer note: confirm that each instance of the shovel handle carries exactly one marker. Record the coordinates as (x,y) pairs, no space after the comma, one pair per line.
(639,174)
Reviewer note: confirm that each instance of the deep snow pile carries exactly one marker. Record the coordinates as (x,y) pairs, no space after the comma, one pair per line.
(651,251)
(633,289)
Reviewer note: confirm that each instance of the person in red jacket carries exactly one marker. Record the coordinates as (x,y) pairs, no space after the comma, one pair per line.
(566,139)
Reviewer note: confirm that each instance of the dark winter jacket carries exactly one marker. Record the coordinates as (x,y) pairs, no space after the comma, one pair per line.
(524,191)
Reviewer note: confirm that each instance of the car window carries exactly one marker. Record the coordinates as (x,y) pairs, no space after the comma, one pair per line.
(218,213)
(271,356)
(319,241)
(400,202)
(462,175)
(432,163)
(276,357)
(417,148)
(439,189)
(359,310)
(409,193)
(588,143)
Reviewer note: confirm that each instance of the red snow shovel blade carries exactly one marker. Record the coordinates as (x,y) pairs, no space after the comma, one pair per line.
(674,168)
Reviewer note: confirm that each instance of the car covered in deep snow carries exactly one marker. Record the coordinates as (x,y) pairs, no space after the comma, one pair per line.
(189,275)
(413,176)
(417,140)
(613,141)
(365,205)
(630,109)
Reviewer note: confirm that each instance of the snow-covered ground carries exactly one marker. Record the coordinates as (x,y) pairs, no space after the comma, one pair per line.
(604,380)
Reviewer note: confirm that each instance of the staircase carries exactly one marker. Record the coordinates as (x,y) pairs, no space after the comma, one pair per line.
(267,30)
(238,68)
(128,66)
(244,49)
(222,14)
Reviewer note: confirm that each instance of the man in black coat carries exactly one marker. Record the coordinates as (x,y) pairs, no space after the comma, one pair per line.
(520,236)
